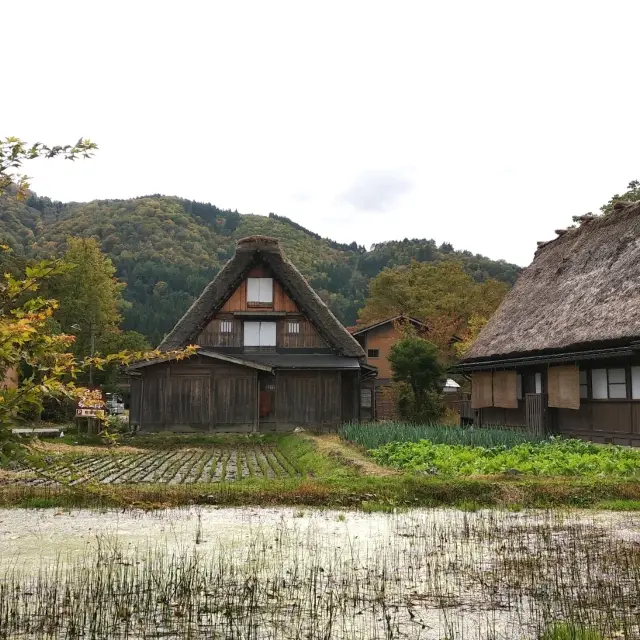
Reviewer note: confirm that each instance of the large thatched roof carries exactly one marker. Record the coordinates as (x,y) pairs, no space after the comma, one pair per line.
(249,252)
(581,289)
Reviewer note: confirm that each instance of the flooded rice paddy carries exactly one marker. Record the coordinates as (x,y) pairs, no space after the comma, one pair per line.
(179,466)
(289,574)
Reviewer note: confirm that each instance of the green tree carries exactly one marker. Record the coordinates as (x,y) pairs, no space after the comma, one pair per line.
(632,194)
(415,362)
(89,295)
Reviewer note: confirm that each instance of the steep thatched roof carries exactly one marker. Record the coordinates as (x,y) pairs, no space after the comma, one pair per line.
(581,288)
(249,252)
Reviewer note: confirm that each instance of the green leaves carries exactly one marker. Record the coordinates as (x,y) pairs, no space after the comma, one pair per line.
(553,457)
(13,152)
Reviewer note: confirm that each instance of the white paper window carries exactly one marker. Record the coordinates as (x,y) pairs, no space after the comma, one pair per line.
(267,334)
(538,383)
(599,384)
(617,383)
(584,386)
(519,386)
(293,326)
(226,326)
(259,334)
(260,291)
(635,383)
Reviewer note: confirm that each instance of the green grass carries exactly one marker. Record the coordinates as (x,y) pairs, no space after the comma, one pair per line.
(327,480)
(374,435)
(553,457)
(568,631)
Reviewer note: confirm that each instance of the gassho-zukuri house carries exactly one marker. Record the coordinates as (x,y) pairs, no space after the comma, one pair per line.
(562,352)
(271,356)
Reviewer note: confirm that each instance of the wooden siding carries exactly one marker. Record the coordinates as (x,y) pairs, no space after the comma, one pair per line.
(135,386)
(308,398)
(211,335)
(238,299)
(189,400)
(307,337)
(235,400)
(350,387)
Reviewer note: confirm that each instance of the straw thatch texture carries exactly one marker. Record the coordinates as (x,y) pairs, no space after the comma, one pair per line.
(564,387)
(249,252)
(583,287)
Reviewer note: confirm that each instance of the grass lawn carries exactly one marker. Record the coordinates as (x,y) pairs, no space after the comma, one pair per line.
(292,469)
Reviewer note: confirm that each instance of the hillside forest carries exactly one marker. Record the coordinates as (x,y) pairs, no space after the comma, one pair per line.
(164,251)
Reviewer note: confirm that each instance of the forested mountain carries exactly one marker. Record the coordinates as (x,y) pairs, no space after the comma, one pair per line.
(166,249)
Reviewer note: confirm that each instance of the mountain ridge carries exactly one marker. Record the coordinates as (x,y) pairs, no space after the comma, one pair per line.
(167,248)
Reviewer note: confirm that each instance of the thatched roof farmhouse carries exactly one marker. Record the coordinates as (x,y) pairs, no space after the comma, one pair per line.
(563,349)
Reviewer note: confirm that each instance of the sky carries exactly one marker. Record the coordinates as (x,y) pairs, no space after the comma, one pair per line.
(484,124)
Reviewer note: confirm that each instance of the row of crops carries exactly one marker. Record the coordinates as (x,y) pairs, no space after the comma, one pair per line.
(179,466)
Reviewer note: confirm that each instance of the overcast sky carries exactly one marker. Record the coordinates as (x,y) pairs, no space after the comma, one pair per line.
(484,124)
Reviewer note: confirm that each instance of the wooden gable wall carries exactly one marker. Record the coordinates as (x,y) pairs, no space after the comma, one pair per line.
(307,337)
(238,299)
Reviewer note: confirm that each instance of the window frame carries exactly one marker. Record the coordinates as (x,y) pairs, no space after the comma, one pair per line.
(371,351)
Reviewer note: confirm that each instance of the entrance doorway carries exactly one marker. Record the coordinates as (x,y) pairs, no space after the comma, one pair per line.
(267,399)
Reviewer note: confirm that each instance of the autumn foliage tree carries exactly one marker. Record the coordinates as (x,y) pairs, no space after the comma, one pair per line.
(441,294)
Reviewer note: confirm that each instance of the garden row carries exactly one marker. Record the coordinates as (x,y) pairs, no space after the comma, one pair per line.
(179,466)
(458,452)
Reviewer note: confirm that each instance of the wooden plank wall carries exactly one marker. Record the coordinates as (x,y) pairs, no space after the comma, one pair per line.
(308,337)
(238,300)
(198,395)
(613,421)
(350,387)
(211,335)
(235,400)
(308,398)
(135,386)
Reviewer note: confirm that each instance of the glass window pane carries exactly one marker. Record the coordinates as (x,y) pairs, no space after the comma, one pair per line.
(599,384)
(617,390)
(583,391)
(635,383)
(617,376)
(583,376)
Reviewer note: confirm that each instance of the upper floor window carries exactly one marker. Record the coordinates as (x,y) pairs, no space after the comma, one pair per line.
(260,292)
(293,327)
(259,334)
(609,384)
(226,326)
(373,353)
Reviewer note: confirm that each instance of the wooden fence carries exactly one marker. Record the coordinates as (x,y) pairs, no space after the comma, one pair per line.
(536,412)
